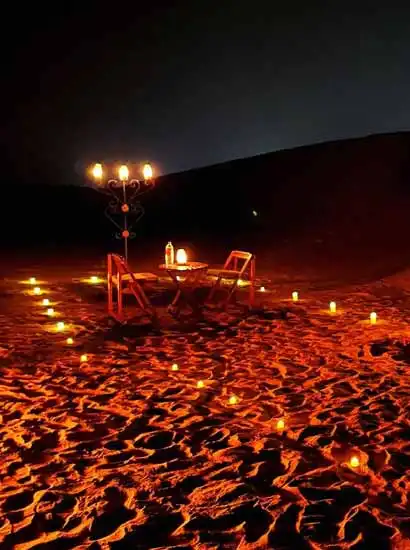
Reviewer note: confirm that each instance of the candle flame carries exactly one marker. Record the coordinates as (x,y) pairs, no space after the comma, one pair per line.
(181,256)
(295,296)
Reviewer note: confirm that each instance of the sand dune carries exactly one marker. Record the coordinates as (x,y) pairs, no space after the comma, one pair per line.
(123,452)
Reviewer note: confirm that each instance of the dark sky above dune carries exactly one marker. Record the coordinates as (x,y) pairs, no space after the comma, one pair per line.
(195,82)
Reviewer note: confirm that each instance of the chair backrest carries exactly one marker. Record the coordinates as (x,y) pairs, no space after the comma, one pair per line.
(235,258)
(119,262)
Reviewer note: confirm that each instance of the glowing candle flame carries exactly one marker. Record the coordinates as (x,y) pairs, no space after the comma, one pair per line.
(295,296)
(200,384)
(97,171)
(50,312)
(123,172)
(373,317)
(94,279)
(332,307)
(46,302)
(354,462)
(181,256)
(263,289)
(233,400)
(37,290)
(174,367)
(32,280)
(280,425)
(60,326)
(70,341)
(147,171)
(84,358)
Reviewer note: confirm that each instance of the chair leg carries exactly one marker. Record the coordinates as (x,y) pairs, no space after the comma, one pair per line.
(252,281)
(109,284)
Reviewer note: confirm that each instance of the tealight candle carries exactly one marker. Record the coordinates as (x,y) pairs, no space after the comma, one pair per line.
(60,326)
(200,384)
(94,279)
(332,307)
(280,425)
(262,289)
(37,290)
(46,302)
(373,317)
(70,341)
(354,461)
(295,296)
(174,367)
(50,311)
(84,358)
(233,400)
(32,280)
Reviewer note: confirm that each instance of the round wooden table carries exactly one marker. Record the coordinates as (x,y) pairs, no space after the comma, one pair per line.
(192,273)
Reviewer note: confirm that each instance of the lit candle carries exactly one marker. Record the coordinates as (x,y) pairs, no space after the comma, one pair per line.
(295,296)
(32,280)
(70,341)
(84,358)
(280,425)
(174,367)
(60,326)
(37,290)
(181,256)
(373,317)
(94,279)
(262,289)
(46,302)
(354,461)
(50,312)
(200,384)
(233,400)
(332,307)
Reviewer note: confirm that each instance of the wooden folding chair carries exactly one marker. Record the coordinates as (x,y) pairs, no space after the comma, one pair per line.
(121,281)
(234,273)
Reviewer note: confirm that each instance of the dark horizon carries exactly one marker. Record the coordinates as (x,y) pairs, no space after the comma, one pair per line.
(187,87)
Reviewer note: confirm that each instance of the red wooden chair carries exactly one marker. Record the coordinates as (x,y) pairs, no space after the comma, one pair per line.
(239,266)
(121,281)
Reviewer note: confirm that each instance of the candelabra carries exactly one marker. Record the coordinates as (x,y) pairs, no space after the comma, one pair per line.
(124,209)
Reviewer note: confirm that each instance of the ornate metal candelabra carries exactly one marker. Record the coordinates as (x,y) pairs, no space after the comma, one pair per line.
(124,209)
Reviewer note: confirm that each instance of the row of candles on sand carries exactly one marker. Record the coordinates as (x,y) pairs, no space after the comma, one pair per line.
(332,305)
(60,326)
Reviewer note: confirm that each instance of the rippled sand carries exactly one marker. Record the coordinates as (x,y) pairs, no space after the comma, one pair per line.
(123,452)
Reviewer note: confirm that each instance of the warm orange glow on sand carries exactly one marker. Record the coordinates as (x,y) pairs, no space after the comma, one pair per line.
(121,451)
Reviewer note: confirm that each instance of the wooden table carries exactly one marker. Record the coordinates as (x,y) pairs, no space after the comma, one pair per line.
(186,278)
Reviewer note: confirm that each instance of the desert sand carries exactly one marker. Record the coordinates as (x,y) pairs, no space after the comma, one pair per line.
(298,436)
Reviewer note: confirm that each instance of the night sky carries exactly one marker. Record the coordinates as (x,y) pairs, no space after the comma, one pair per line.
(191,83)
